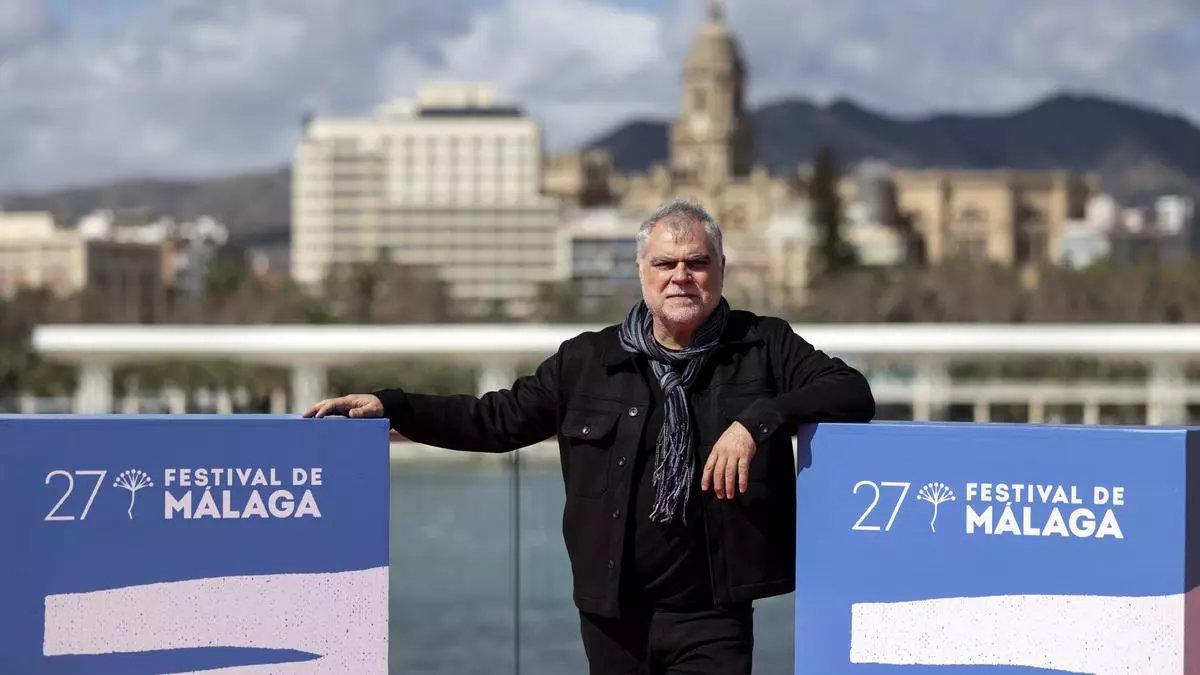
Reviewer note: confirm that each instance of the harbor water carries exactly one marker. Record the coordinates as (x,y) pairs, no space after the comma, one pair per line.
(476,589)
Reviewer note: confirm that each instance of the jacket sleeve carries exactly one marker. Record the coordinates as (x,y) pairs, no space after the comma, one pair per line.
(813,387)
(497,421)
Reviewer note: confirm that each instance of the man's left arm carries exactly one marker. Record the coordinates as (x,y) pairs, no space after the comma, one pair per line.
(813,387)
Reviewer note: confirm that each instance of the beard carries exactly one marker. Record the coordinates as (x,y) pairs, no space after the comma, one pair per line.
(682,311)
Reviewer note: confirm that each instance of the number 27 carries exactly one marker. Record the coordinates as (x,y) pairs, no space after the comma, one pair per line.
(875,501)
(71,486)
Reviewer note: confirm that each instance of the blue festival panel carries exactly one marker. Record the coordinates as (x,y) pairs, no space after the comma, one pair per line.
(148,544)
(963,548)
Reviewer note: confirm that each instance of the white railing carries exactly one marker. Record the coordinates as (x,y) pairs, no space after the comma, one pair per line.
(927,350)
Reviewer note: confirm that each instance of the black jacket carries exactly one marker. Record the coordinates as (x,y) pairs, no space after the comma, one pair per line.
(593,395)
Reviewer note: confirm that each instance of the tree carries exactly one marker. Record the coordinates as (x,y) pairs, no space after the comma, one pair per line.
(834,254)
(383,291)
(226,273)
(20,368)
(957,290)
(563,302)
(235,294)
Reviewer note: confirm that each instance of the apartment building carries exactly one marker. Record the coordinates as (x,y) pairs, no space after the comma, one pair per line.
(35,254)
(1008,217)
(451,180)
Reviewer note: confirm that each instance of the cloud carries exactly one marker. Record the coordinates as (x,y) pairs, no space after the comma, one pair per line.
(933,55)
(182,87)
(23,23)
(190,86)
(577,65)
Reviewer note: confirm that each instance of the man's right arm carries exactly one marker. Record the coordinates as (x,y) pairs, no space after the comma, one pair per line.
(497,421)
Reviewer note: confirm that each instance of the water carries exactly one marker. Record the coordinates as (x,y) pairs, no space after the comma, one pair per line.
(454,604)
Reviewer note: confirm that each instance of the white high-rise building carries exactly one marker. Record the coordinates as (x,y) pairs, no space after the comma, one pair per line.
(452,181)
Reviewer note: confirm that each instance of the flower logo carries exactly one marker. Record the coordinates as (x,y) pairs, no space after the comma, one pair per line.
(935,493)
(133,480)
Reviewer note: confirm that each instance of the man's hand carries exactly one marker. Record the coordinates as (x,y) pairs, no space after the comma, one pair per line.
(350,405)
(729,461)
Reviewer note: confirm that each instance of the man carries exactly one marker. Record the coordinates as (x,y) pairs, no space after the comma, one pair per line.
(666,558)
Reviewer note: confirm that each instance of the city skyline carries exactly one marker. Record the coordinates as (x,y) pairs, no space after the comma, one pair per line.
(92,93)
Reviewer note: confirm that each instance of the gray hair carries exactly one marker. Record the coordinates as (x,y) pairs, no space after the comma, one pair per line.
(679,214)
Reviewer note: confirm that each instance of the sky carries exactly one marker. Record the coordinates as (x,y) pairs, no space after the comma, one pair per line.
(96,90)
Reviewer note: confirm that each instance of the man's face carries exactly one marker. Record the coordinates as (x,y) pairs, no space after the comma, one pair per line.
(681,276)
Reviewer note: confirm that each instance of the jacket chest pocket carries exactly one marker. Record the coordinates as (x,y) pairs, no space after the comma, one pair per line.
(589,436)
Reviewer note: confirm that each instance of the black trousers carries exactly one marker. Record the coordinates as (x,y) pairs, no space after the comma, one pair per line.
(713,641)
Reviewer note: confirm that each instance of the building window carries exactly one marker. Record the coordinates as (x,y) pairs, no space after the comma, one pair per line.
(972,248)
(1030,244)
(698,99)
(972,215)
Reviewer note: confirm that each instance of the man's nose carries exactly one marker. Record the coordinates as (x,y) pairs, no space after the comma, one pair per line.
(680,274)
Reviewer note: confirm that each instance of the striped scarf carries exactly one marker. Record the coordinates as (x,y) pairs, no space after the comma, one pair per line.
(674,462)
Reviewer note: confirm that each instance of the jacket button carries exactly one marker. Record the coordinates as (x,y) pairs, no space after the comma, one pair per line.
(762,428)
(611,564)
(621,460)
(616,514)
(633,412)
(585,431)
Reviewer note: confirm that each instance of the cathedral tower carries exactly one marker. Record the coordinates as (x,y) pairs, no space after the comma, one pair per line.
(712,140)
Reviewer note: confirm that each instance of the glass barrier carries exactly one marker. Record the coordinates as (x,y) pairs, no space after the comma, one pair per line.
(452,600)
(461,530)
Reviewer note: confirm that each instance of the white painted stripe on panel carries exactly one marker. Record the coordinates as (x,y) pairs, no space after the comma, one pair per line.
(1105,635)
(340,615)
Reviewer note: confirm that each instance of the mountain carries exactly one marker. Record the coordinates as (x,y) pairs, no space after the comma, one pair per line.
(1136,152)
(635,146)
(255,206)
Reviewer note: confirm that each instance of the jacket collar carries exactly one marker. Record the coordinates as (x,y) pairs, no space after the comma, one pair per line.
(741,329)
